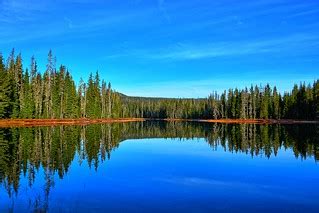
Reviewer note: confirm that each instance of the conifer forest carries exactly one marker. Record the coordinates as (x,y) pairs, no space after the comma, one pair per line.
(27,92)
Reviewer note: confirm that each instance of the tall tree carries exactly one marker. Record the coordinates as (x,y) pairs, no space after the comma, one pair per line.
(82,98)
(54,95)
(27,103)
(265,102)
(93,103)
(13,109)
(70,98)
(4,90)
(104,99)
(276,104)
(48,81)
(316,99)
(109,94)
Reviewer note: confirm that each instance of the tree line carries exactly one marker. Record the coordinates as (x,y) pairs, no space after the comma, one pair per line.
(53,93)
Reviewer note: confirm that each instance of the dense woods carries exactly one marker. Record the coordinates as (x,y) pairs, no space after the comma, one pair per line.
(52,93)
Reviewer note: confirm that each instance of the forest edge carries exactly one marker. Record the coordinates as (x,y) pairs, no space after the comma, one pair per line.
(85,121)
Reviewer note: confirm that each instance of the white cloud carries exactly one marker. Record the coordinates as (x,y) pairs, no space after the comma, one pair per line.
(237,48)
(298,43)
(162,8)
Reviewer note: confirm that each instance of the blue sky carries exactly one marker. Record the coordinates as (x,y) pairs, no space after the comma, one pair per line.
(171,48)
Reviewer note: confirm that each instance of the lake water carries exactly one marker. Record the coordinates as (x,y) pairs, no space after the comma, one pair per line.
(160,167)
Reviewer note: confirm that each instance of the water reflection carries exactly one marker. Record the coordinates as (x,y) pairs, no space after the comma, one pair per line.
(25,151)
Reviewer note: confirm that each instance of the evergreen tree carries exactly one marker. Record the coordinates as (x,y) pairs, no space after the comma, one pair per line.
(316,100)
(82,98)
(276,104)
(265,102)
(109,101)
(104,99)
(93,99)
(54,95)
(223,105)
(13,109)
(4,90)
(70,98)
(48,84)
(27,103)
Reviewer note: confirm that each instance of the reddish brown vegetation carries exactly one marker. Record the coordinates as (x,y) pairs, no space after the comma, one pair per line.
(84,121)
(55,122)
(248,121)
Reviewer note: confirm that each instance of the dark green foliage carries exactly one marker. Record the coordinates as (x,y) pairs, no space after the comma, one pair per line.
(54,95)
(315,104)
(4,91)
(93,97)
(26,98)
(70,107)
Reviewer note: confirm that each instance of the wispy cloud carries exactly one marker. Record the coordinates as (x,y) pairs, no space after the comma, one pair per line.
(198,181)
(69,22)
(21,5)
(254,188)
(298,43)
(222,49)
(161,6)
(304,13)
(12,11)
(33,18)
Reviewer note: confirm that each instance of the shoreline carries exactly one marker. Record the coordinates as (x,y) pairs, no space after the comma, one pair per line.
(248,121)
(85,121)
(58,122)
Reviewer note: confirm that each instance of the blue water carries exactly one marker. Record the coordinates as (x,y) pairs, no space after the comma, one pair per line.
(172,175)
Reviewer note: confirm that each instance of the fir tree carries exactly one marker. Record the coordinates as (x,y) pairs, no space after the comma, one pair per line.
(4,90)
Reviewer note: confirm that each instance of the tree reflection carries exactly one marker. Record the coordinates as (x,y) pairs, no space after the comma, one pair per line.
(24,151)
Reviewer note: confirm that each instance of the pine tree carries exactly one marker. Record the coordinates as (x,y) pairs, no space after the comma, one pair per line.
(54,95)
(237,103)
(13,109)
(293,109)
(61,90)
(265,103)
(104,99)
(36,86)
(109,94)
(252,103)
(48,81)
(244,99)
(39,96)
(18,71)
(70,98)
(97,93)
(223,105)
(276,104)
(26,104)
(82,98)
(93,103)
(316,100)
(4,90)
(46,95)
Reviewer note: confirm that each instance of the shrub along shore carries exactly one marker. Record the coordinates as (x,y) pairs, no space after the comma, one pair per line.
(81,121)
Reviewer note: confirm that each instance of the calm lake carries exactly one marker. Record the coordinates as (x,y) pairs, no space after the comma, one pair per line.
(160,167)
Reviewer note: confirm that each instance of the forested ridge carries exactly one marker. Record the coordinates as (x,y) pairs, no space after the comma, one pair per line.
(53,93)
